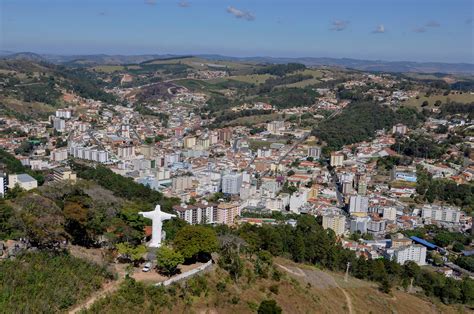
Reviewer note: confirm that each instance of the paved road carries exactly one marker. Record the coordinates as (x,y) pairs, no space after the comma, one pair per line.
(340,197)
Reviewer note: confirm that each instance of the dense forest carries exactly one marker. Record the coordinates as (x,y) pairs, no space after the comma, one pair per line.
(287,97)
(359,122)
(281,69)
(419,147)
(448,191)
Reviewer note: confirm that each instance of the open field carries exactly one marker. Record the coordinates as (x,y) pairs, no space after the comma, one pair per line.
(201,64)
(252,78)
(461,98)
(448,78)
(316,73)
(256,144)
(108,68)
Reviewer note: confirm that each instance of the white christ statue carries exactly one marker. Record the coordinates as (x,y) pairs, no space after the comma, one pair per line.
(157,217)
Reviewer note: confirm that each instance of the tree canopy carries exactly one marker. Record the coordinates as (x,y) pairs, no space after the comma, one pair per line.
(194,240)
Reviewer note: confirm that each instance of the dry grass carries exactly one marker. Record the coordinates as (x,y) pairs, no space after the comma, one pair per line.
(108,68)
(252,78)
(253,120)
(366,297)
(27,108)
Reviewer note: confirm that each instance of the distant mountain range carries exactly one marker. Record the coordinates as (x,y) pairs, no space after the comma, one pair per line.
(363,65)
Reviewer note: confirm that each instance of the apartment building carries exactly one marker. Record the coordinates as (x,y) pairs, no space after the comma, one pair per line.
(337,223)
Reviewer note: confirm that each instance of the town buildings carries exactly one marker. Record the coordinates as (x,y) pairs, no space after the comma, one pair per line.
(22,180)
(337,223)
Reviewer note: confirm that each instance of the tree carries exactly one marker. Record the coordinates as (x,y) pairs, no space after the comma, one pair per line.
(458,247)
(76,219)
(467,289)
(230,260)
(41,221)
(263,263)
(167,260)
(411,269)
(195,241)
(172,226)
(133,253)
(443,239)
(451,291)
(386,285)
(269,307)
(8,228)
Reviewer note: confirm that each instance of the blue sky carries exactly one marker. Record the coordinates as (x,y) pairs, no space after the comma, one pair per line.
(417,30)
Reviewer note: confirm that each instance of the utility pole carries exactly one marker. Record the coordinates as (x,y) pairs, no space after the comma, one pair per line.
(347,271)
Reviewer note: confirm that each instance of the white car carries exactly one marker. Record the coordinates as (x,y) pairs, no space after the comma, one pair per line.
(147,267)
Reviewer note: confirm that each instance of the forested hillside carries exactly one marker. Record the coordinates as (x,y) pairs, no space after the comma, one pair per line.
(359,122)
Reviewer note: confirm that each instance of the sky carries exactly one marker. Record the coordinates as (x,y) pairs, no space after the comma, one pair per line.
(394,30)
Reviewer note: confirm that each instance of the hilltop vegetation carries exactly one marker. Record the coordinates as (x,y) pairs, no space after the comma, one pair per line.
(248,273)
(359,122)
(124,187)
(281,69)
(47,283)
(38,85)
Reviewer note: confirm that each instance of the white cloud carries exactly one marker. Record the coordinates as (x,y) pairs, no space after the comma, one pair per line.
(184,4)
(241,14)
(380,29)
(432,24)
(150,2)
(339,25)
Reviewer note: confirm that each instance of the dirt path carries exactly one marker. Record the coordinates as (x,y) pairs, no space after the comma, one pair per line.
(107,288)
(348,299)
(319,279)
(298,271)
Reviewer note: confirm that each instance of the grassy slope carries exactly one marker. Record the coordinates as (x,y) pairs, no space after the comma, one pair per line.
(314,292)
(42,283)
(252,78)
(252,120)
(461,98)
(108,68)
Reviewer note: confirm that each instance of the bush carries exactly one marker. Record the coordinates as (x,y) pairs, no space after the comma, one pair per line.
(273,289)
(269,307)
(221,286)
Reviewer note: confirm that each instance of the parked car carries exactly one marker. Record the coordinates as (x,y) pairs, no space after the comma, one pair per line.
(147,267)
